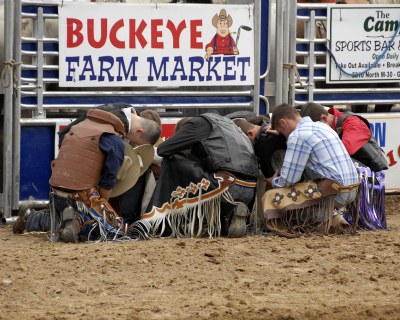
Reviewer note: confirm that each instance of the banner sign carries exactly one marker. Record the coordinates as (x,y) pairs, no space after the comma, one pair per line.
(385,128)
(133,45)
(365,42)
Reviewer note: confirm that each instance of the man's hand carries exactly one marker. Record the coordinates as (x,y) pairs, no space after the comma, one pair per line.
(156,170)
(104,193)
(272,131)
(268,181)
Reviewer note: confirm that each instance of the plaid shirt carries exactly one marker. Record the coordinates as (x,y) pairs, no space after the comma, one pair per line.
(315,149)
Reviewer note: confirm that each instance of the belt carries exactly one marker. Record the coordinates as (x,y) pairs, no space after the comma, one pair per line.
(245,183)
(230,178)
(329,187)
(63,194)
(77,196)
(347,188)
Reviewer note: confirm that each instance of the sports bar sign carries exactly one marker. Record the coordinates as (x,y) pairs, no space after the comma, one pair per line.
(364,40)
(132,45)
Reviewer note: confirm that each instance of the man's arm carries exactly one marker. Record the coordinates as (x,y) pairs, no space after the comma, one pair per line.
(296,158)
(104,193)
(265,148)
(113,148)
(191,132)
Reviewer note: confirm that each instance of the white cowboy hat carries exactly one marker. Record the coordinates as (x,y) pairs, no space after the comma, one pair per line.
(136,161)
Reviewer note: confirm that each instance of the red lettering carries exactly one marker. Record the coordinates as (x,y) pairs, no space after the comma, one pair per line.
(156,34)
(103,33)
(195,34)
(74,28)
(136,33)
(176,32)
(392,162)
(98,33)
(113,35)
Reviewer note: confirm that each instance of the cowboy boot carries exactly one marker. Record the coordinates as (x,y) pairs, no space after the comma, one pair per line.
(237,227)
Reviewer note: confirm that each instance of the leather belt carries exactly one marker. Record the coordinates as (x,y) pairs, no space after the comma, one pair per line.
(63,194)
(347,188)
(245,183)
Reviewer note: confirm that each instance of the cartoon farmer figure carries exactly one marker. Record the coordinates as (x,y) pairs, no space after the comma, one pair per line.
(222,42)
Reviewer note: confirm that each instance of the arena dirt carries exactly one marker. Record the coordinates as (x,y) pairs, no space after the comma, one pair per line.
(336,277)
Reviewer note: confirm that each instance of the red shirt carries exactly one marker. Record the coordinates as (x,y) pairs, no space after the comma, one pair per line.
(222,45)
(355,132)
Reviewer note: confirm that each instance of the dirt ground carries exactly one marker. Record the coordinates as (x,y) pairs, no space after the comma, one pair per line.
(335,277)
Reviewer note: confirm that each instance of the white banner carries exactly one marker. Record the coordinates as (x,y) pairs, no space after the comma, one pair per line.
(385,128)
(365,42)
(109,45)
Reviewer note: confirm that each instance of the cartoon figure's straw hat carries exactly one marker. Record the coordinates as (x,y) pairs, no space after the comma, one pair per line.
(222,16)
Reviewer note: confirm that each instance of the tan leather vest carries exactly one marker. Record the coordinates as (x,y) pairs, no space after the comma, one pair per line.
(80,160)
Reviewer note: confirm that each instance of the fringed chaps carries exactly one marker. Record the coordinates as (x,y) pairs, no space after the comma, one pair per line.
(192,213)
(185,203)
(103,216)
(305,208)
(92,211)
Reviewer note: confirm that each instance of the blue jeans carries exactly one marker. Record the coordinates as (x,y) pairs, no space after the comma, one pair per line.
(345,198)
(38,220)
(129,203)
(239,194)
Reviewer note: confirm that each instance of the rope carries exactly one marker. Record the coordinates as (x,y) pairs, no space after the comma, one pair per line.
(296,72)
(6,73)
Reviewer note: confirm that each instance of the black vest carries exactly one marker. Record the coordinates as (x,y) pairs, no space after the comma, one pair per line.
(228,148)
(370,154)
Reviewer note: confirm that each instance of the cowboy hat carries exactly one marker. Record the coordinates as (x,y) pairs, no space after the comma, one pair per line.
(136,161)
(159,141)
(222,15)
(146,156)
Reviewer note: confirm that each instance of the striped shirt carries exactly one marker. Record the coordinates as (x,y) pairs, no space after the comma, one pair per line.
(315,149)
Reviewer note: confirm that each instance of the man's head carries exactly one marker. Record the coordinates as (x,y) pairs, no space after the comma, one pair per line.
(152,115)
(180,123)
(143,131)
(121,116)
(259,119)
(316,112)
(248,128)
(285,119)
